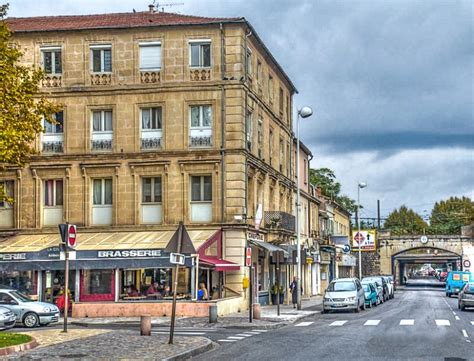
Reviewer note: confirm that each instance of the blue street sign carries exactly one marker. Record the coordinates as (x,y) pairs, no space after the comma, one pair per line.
(346,248)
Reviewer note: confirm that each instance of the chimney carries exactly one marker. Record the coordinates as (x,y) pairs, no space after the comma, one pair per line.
(151,8)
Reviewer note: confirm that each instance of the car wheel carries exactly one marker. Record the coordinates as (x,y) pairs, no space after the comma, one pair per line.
(31,320)
(324,311)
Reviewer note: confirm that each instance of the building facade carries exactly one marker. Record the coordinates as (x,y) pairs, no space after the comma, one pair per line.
(164,119)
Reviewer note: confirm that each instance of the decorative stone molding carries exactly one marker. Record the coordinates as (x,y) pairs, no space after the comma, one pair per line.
(200,74)
(147,77)
(51,81)
(101,79)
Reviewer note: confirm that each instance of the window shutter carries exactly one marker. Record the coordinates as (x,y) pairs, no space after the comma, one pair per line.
(150,57)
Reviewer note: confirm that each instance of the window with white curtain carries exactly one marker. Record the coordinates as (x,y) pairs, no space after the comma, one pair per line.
(102,191)
(52,63)
(150,56)
(53,193)
(151,118)
(102,121)
(201,116)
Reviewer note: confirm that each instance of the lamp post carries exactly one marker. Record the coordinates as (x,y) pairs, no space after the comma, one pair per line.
(360,185)
(304,112)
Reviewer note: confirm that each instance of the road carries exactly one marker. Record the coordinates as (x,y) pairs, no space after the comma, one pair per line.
(420,323)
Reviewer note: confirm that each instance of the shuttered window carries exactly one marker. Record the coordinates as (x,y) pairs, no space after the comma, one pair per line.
(150,56)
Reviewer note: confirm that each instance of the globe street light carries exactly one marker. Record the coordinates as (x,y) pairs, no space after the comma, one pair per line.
(359,187)
(304,112)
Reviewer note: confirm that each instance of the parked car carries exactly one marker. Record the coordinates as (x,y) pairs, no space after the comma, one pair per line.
(443,275)
(390,286)
(378,289)
(456,281)
(30,313)
(371,295)
(380,281)
(344,294)
(466,296)
(7,318)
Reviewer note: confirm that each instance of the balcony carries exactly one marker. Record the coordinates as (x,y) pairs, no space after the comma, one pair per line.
(279,221)
(204,141)
(53,147)
(51,81)
(101,145)
(101,79)
(201,74)
(151,143)
(149,77)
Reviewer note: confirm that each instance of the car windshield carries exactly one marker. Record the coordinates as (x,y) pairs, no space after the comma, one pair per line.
(373,280)
(342,286)
(21,296)
(469,288)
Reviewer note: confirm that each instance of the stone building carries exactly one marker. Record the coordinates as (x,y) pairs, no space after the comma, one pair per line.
(165,118)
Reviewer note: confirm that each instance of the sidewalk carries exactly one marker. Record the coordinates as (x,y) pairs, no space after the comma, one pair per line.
(269,318)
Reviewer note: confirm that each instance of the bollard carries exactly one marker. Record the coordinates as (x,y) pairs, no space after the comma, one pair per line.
(256,311)
(213,314)
(145,325)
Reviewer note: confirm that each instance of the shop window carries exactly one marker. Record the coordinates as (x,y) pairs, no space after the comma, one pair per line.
(200,134)
(151,200)
(200,54)
(152,124)
(23,281)
(53,136)
(102,131)
(97,285)
(201,198)
(6,208)
(101,58)
(102,202)
(53,202)
(51,57)
(150,56)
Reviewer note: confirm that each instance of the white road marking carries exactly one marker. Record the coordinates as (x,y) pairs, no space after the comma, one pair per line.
(259,330)
(457,318)
(472,323)
(371,323)
(179,333)
(253,333)
(338,323)
(407,322)
(244,335)
(303,324)
(464,332)
(226,340)
(443,323)
(235,338)
(454,313)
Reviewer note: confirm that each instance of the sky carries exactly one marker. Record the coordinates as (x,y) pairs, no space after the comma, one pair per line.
(390,83)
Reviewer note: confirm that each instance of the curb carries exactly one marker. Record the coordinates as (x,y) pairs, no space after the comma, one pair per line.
(192,352)
(18,348)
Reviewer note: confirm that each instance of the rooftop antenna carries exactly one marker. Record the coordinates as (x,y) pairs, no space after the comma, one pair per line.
(159,5)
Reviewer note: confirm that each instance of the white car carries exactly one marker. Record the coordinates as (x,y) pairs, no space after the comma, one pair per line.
(390,285)
(344,294)
(7,318)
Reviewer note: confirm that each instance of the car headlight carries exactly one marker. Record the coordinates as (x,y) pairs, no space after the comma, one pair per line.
(327,298)
(350,299)
(46,309)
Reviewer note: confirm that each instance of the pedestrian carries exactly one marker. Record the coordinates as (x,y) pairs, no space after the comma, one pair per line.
(294,291)
(202,292)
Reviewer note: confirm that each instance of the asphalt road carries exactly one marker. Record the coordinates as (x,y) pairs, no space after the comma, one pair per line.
(419,324)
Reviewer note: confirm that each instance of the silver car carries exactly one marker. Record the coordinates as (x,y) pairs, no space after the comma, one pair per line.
(7,318)
(466,296)
(344,294)
(27,311)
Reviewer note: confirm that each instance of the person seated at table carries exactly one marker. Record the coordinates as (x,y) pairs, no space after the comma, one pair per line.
(202,292)
(133,292)
(153,289)
(166,292)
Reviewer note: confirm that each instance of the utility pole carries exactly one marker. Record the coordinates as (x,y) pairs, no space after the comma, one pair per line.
(378,214)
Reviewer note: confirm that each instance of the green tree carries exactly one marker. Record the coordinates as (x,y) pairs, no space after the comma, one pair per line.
(22,106)
(405,221)
(448,216)
(331,188)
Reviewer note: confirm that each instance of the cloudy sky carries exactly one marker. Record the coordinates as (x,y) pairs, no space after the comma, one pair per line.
(390,82)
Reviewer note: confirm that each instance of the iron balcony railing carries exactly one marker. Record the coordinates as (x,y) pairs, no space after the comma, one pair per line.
(151,143)
(279,220)
(200,141)
(101,145)
(53,147)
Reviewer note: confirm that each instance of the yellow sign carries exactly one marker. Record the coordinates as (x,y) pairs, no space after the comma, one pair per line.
(245,283)
(365,239)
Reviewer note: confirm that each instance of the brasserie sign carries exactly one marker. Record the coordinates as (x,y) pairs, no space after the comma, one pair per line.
(130,253)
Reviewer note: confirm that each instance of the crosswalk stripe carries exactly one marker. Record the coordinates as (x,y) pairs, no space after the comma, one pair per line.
(443,323)
(407,322)
(226,340)
(179,333)
(338,323)
(372,323)
(244,334)
(457,318)
(464,332)
(235,338)
(259,330)
(253,333)
(303,324)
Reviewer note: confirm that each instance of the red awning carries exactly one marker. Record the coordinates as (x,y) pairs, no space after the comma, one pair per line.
(219,263)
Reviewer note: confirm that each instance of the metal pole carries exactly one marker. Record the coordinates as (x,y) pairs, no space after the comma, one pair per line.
(66,287)
(358,231)
(175,286)
(278,281)
(298,238)
(250,293)
(378,214)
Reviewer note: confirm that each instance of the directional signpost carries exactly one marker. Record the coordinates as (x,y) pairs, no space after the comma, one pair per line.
(178,244)
(68,234)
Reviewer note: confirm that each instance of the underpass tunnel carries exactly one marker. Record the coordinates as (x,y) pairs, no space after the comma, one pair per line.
(424,264)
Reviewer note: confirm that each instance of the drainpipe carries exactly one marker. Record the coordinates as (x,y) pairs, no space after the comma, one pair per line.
(245,122)
(222,122)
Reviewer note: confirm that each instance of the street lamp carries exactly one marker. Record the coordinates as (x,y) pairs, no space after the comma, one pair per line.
(304,112)
(359,187)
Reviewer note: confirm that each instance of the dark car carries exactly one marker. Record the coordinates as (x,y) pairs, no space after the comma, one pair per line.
(379,280)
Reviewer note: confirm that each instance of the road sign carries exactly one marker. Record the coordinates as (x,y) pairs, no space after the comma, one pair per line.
(177,258)
(71,235)
(248,257)
(467,263)
(424,239)
(359,237)
(365,239)
(63,232)
(346,248)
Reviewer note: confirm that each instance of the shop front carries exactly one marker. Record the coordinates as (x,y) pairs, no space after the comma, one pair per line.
(346,264)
